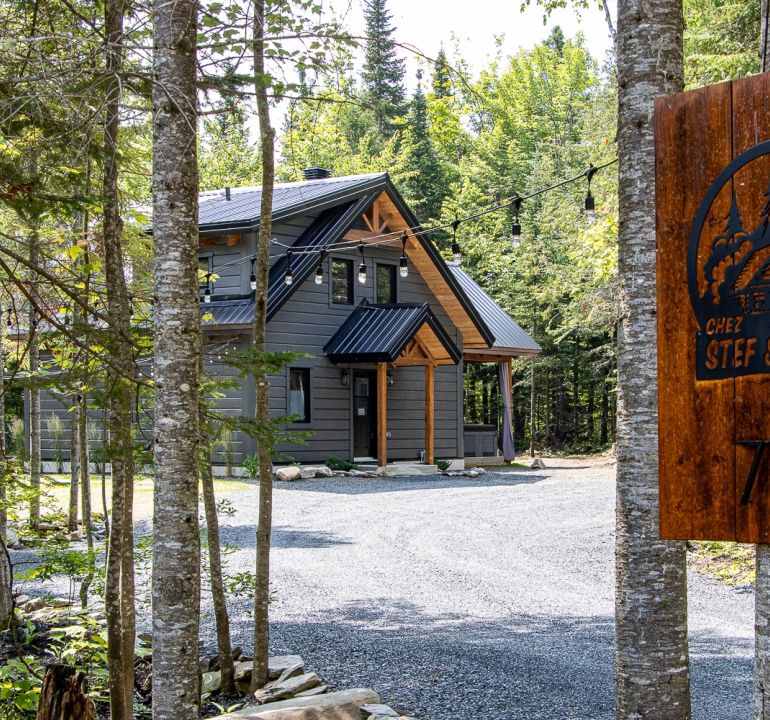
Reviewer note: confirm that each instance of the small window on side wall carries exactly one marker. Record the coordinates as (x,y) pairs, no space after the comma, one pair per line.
(204,269)
(299,394)
(342,281)
(386,284)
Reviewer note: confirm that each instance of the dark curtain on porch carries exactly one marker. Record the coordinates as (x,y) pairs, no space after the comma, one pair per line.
(506,430)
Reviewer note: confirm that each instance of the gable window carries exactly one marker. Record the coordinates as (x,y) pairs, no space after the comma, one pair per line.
(342,281)
(386,284)
(299,394)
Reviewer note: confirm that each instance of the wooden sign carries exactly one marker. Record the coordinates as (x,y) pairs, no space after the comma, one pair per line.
(713,234)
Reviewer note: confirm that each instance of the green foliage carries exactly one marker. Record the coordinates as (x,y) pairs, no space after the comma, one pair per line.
(335,463)
(226,443)
(443,465)
(20,683)
(251,465)
(228,158)
(55,429)
(18,439)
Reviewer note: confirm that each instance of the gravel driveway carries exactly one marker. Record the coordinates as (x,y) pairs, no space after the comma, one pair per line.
(466,599)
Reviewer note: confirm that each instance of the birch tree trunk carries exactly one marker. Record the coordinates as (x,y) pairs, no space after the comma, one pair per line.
(176,542)
(651,576)
(265,515)
(3,449)
(119,579)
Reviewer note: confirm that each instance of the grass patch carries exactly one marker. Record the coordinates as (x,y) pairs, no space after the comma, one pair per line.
(729,562)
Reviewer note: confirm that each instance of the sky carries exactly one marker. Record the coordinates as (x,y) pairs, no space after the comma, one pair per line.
(426,24)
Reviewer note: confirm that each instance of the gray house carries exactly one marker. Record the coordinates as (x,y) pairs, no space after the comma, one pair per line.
(385,323)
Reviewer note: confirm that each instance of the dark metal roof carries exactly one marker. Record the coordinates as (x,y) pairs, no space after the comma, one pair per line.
(508,334)
(379,333)
(243,210)
(227,312)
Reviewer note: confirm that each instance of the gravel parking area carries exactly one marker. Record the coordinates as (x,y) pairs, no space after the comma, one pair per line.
(487,598)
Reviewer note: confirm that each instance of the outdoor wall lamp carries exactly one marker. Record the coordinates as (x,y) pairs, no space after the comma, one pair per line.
(345,377)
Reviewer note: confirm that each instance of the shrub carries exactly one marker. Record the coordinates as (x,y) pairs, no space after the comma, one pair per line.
(335,463)
(251,465)
(18,440)
(443,465)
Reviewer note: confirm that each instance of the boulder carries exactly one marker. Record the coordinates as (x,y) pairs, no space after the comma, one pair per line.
(318,690)
(288,473)
(293,671)
(47,527)
(145,639)
(307,472)
(278,664)
(281,689)
(378,710)
(211,682)
(324,472)
(342,705)
(22,600)
(33,605)
(537,464)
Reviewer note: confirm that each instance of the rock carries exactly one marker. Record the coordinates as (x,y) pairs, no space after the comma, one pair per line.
(47,527)
(16,546)
(75,536)
(59,602)
(331,706)
(472,473)
(204,665)
(537,464)
(294,671)
(363,473)
(243,669)
(145,639)
(318,690)
(281,689)
(237,653)
(22,600)
(324,472)
(288,474)
(33,605)
(277,664)
(378,710)
(211,682)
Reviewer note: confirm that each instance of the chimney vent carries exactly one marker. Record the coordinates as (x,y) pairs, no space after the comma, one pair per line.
(316,173)
(227,193)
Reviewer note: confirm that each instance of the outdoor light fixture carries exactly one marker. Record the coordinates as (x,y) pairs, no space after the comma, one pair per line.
(516,230)
(457,255)
(319,271)
(207,291)
(590,202)
(403,267)
(362,266)
(391,379)
(288,277)
(253,276)
(345,377)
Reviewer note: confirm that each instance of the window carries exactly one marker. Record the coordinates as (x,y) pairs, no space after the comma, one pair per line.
(299,394)
(204,268)
(386,284)
(342,281)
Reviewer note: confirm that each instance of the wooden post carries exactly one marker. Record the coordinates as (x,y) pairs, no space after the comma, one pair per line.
(382,415)
(429,418)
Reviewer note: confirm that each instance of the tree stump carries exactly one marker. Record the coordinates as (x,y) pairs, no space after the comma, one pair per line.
(62,697)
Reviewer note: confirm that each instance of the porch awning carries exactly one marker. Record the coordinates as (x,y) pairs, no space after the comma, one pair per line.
(403,334)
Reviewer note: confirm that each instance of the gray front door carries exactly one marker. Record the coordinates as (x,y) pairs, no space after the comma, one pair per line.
(364,413)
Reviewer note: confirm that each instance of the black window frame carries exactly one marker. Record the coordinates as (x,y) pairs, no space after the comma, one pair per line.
(208,258)
(307,379)
(392,270)
(351,286)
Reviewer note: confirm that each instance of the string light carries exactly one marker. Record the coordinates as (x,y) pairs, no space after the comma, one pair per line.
(253,276)
(590,202)
(207,292)
(516,230)
(288,277)
(456,252)
(403,266)
(362,266)
(319,271)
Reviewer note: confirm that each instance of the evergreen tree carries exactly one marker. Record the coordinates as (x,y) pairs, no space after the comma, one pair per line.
(442,80)
(227,157)
(419,172)
(383,73)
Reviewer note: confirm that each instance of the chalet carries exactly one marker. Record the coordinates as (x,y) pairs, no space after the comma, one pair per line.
(384,339)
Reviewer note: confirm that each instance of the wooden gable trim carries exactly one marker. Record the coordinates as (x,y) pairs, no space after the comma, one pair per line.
(423,350)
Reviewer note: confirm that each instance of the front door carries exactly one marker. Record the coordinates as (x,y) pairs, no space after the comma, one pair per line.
(364,413)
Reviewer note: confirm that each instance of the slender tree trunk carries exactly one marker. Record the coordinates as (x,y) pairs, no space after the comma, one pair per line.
(590,411)
(3,449)
(605,419)
(34,392)
(6,587)
(652,666)
(176,541)
(72,518)
(532,409)
(267,140)
(119,580)
(762,583)
(215,569)
(85,495)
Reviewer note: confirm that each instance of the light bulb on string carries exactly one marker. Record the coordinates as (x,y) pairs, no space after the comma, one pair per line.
(319,271)
(403,266)
(362,266)
(516,229)
(590,203)
(253,276)
(457,254)
(288,277)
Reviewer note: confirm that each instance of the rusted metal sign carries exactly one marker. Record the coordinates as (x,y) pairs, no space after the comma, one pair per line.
(713,230)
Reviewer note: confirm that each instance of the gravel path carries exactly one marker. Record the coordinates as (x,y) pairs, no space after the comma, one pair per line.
(464,599)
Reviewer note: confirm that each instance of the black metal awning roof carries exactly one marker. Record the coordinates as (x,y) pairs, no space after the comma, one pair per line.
(380,333)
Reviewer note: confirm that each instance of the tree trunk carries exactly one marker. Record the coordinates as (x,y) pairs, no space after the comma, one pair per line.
(215,569)
(176,541)
(604,421)
(62,697)
(72,516)
(764,40)
(590,410)
(119,576)
(652,666)
(6,587)
(34,393)
(264,526)
(3,449)
(532,410)
(85,495)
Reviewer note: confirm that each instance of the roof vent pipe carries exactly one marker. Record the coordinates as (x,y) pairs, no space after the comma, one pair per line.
(316,173)
(227,193)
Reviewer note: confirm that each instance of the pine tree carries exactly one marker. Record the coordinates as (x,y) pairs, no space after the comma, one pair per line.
(442,80)
(419,173)
(383,73)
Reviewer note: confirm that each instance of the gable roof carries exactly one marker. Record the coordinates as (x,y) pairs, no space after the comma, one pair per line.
(508,333)
(380,333)
(243,210)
